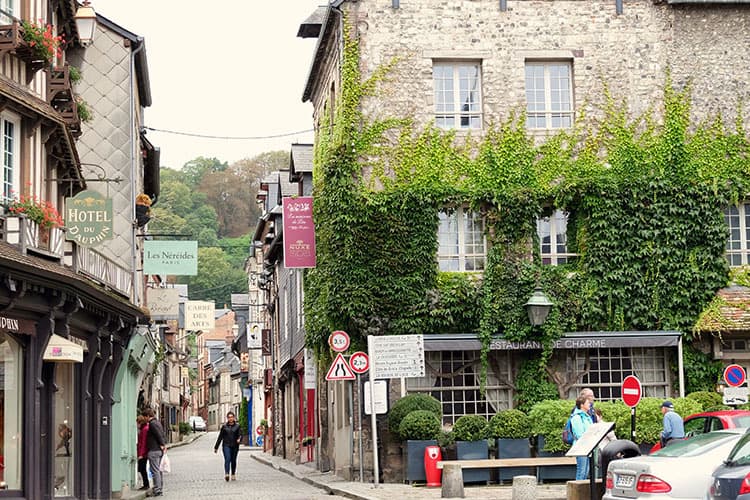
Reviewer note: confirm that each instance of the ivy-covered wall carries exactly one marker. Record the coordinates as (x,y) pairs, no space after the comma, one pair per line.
(645,194)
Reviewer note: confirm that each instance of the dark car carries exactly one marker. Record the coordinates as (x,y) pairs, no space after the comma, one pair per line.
(731,480)
(707,421)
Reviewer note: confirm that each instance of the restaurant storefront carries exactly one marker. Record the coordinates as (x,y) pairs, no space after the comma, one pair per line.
(61,341)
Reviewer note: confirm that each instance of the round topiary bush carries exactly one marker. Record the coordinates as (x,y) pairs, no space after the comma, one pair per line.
(410,403)
(510,424)
(419,425)
(470,428)
(707,399)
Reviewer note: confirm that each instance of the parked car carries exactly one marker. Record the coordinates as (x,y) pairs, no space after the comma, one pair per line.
(708,421)
(197,423)
(731,480)
(681,470)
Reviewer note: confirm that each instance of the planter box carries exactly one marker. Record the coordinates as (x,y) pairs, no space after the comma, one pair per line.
(471,450)
(556,472)
(415,459)
(512,448)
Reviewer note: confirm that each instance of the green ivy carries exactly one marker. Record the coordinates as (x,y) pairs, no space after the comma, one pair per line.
(645,201)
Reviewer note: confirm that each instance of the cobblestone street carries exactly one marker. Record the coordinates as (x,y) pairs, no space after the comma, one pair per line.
(198,473)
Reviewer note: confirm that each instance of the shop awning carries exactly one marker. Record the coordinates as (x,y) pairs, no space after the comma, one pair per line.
(571,340)
(61,350)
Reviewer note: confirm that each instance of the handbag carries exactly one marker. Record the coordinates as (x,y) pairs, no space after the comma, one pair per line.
(165,465)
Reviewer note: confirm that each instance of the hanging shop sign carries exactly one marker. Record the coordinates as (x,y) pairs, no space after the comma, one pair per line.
(199,315)
(299,232)
(175,257)
(163,303)
(88,218)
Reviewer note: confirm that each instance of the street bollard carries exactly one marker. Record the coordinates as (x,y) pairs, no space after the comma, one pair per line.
(453,481)
(524,488)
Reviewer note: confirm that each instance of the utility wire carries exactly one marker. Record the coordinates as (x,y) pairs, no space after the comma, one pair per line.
(229,137)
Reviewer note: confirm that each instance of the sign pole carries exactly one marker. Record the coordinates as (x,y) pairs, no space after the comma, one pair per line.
(632,424)
(359,420)
(375,472)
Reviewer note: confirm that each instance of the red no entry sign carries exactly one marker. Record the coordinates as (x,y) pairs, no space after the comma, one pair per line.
(734,375)
(631,391)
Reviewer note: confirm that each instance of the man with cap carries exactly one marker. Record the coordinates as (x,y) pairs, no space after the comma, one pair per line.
(673,428)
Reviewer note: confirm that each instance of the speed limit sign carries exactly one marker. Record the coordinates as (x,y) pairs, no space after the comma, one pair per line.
(359,362)
(339,341)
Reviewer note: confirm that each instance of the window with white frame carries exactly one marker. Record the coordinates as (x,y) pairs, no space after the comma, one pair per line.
(458,96)
(9,126)
(553,240)
(738,244)
(462,245)
(8,11)
(607,368)
(452,377)
(549,95)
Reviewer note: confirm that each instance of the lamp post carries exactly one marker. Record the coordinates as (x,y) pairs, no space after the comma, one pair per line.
(85,23)
(538,307)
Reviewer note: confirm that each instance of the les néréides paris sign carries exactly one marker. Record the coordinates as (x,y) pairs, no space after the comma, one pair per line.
(170,257)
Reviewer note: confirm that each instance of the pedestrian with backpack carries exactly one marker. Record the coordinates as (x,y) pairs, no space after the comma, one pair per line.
(579,422)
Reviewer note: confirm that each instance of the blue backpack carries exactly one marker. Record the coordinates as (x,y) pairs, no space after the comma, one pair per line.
(567,433)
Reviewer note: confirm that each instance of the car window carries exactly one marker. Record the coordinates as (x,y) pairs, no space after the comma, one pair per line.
(741,420)
(695,446)
(715,424)
(695,426)
(740,454)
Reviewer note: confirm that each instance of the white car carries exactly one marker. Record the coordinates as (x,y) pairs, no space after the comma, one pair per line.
(681,470)
(197,423)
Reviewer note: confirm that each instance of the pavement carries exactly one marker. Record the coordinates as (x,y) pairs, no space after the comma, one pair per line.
(334,485)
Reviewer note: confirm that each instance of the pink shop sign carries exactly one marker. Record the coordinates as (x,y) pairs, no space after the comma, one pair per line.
(299,232)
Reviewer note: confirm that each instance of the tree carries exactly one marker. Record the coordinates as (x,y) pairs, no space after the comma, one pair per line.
(216,279)
(194,170)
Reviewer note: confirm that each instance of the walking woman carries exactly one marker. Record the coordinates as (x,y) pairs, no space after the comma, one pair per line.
(143,450)
(230,436)
(579,422)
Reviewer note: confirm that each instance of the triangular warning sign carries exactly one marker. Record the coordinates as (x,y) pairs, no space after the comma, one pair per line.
(340,369)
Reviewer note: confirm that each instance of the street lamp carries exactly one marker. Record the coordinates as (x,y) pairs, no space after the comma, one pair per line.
(538,307)
(85,23)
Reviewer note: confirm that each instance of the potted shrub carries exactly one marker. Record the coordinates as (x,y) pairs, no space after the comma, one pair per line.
(420,429)
(413,448)
(547,422)
(470,433)
(511,430)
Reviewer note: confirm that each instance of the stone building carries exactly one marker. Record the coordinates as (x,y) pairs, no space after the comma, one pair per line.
(467,65)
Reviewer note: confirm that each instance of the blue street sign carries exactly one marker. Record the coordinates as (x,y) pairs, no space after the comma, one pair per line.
(734,375)
(259,441)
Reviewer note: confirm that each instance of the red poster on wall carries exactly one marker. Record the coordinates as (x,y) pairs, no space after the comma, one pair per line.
(299,232)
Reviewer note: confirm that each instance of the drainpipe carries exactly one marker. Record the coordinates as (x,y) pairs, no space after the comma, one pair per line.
(134,129)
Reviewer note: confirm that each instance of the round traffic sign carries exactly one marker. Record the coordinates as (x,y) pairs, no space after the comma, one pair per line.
(359,362)
(734,375)
(259,430)
(339,341)
(259,440)
(631,391)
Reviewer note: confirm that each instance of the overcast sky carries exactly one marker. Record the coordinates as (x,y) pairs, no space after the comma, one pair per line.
(222,68)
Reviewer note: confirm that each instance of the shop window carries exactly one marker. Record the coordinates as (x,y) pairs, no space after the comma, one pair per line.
(11,412)
(64,473)
(461,242)
(452,377)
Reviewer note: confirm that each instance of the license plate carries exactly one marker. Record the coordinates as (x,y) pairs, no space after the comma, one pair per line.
(624,481)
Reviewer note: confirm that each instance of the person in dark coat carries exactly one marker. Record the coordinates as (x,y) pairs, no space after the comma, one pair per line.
(156,444)
(230,436)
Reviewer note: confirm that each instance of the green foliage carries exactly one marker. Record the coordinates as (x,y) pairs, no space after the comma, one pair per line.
(194,170)
(410,403)
(185,428)
(216,279)
(548,419)
(701,370)
(242,417)
(513,424)
(470,428)
(532,385)
(419,425)
(707,399)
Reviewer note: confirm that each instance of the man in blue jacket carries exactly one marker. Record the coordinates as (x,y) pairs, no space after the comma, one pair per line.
(672,422)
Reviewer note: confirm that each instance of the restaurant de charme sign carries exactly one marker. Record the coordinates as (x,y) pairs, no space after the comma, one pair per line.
(88,218)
